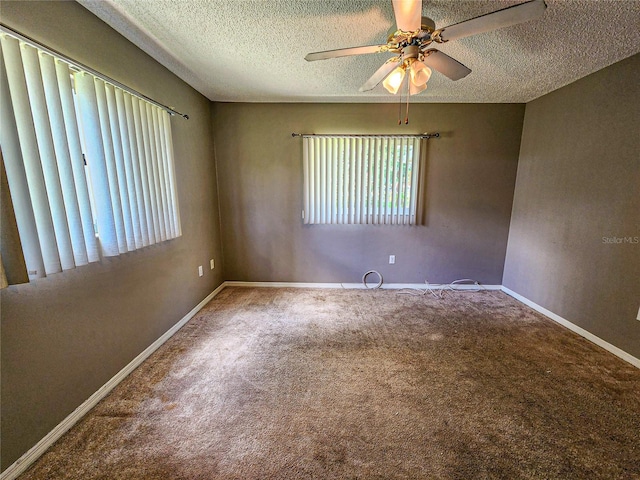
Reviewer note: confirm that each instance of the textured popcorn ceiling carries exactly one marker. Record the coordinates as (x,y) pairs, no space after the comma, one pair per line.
(253,51)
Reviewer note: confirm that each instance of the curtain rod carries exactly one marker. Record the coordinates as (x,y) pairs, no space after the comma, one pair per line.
(420,135)
(80,66)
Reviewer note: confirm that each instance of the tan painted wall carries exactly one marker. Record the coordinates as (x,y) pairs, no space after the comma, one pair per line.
(578,188)
(64,336)
(470,180)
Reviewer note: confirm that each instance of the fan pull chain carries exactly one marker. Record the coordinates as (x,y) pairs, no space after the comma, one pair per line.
(406,118)
(400,108)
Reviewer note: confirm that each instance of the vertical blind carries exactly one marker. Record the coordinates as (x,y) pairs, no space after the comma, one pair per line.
(90,166)
(361,179)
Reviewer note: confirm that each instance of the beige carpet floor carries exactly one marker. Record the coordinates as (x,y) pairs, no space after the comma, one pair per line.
(353,384)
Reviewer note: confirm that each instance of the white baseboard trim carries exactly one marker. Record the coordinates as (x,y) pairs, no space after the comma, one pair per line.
(389,286)
(20,465)
(573,327)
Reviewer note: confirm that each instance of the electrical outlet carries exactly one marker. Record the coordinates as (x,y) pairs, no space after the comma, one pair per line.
(212,263)
(200,271)
(392,259)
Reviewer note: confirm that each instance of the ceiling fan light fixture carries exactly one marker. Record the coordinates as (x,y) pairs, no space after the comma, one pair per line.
(412,37)
(394,80)
(420,73)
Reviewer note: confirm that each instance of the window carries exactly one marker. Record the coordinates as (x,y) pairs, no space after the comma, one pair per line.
(89,165)
(361,179)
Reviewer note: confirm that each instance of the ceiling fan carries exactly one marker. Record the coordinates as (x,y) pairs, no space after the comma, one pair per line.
(413,38)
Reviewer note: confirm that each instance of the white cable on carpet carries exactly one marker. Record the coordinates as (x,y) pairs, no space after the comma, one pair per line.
(451,287)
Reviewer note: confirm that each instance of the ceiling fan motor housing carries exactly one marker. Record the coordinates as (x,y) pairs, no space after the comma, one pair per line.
(410,51)
(427,25)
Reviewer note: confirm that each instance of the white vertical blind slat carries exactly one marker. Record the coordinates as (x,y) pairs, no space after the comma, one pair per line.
(376,177)
(305,175)
(147,175)
(63,75)
(406,191)
(371,169)
(415,168)
(352,179)
(366,177)
(394,179)
(152,170)
(415,180)
(363,176)
(144,174)
(49,167)
(164,173)
(310,208)
(310,152)
(327,185)
(96,162)
(30,155)
(64,172)
(335,158)
(357,184)
(137,152)
(173,192)
(340,183)
(397,181)
(401,182)
(332,165)
(17,179)
(346,190)
(153,147)
(110,148)
(322,180)
(134,238)
(319,152)
(405,162)
(406,182)
(384,184)
(161,173)
(152,205)
(120,174)
(175,204)
(341,148)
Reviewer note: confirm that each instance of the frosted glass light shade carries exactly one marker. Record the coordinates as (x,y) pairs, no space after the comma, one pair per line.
(394,80)
(413,88)
(420,73)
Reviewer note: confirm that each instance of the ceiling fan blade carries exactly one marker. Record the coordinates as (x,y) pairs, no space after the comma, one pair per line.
(380,74)
(344,52)
(408,14)
(446,65)
(492,21)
